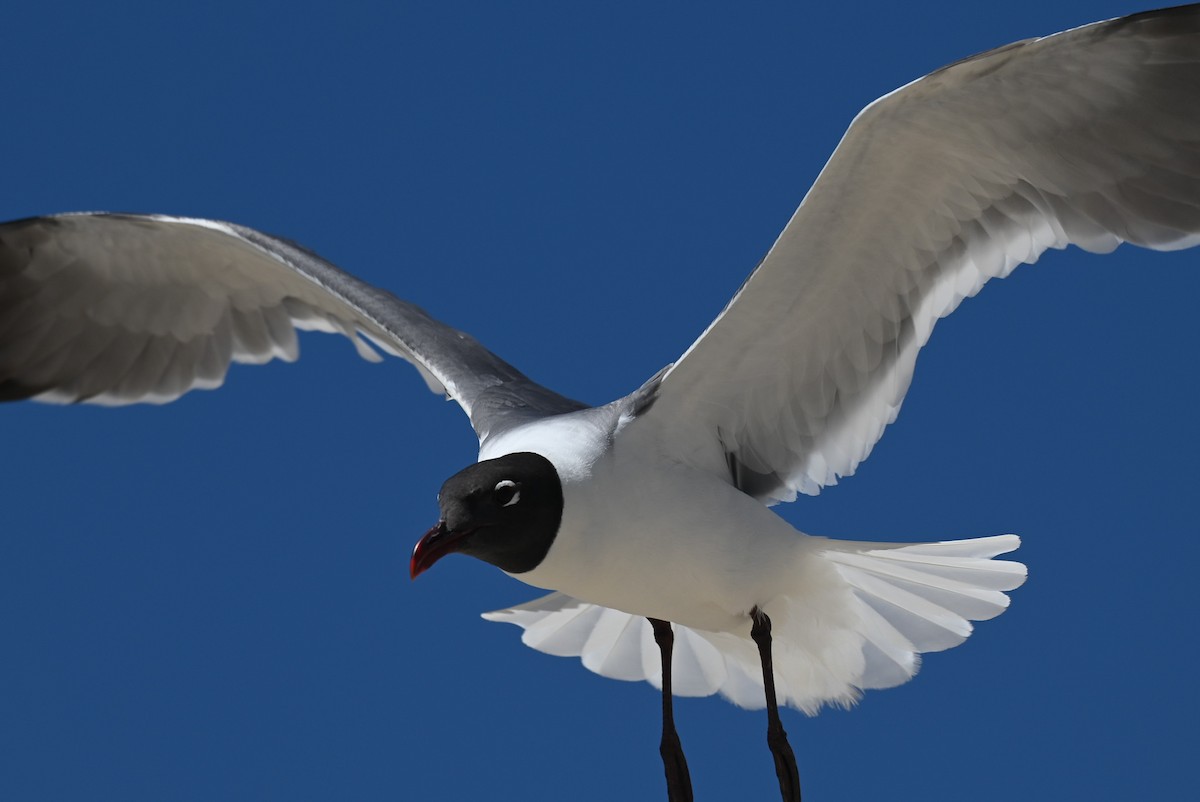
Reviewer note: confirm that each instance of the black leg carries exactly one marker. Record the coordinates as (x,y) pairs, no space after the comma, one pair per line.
(679,782)
(781,750)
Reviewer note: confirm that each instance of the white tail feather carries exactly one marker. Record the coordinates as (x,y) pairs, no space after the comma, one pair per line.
(902,600)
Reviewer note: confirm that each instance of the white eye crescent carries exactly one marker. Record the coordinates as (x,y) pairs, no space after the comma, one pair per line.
(507,493)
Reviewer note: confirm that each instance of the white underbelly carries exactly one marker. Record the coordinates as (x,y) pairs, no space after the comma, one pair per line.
(672,543)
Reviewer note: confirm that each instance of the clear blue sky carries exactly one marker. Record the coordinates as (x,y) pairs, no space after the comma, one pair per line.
(210,600)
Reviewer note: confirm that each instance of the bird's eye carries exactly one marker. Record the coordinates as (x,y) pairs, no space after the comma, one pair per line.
(507,493)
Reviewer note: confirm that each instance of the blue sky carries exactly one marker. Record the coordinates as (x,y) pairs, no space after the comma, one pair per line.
(210,600)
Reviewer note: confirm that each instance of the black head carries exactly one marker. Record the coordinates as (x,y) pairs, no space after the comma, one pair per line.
(504,511)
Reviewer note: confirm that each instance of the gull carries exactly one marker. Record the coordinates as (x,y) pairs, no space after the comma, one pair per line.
(649,517)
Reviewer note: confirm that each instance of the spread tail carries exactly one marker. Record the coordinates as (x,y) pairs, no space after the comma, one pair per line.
(889,603)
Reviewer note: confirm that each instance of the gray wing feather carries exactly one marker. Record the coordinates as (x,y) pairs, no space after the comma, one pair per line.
(117,309)
(1089,137)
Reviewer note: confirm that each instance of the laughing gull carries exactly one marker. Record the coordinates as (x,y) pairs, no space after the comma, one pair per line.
(648,516)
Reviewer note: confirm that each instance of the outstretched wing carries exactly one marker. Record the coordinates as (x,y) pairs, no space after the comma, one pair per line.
(1089,137)
(116,309)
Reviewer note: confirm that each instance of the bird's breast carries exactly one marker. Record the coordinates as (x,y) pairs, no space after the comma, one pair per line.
(657,538)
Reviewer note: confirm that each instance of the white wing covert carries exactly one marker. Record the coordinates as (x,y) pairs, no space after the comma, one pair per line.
(1090,137)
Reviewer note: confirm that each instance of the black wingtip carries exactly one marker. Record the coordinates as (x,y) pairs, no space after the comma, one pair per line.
(13,390)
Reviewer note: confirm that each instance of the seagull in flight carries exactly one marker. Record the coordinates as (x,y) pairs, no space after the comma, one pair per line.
(648,518)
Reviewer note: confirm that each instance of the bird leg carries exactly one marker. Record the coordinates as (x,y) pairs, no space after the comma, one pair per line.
(781,750)
(679,781)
